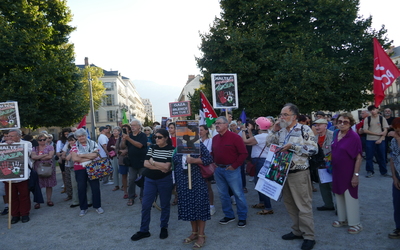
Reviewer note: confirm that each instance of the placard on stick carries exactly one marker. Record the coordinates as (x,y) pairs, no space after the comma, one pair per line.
(187,137)
(9,115)
(13,162)
(224,91)
(178,109)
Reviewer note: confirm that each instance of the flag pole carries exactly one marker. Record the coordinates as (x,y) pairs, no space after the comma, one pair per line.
(189,174)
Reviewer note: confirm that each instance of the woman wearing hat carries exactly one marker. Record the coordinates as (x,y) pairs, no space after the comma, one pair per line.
(258,155)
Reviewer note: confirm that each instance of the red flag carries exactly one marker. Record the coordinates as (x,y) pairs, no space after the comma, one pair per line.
(207,113)
(82,123)
(385,72)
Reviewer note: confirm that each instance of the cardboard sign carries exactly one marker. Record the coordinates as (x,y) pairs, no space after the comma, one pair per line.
(13,162)
(178,109)
(187,137)
(224,91)
(9,115)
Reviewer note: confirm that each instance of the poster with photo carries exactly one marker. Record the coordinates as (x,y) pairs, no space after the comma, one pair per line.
(275,171)
(14,162)
(224,91)
(9,115)
(187,137)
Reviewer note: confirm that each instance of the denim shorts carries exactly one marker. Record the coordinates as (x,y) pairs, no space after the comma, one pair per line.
(123,169)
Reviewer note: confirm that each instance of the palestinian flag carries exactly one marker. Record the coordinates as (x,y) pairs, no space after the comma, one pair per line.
(207,113)
(124,119)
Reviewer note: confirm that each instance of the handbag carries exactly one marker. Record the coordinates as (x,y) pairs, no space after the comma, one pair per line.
(44,169)
(99,168)
(112,154)
(140,181)
(208,170)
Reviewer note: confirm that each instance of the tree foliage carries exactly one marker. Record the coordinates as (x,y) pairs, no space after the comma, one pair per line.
(195,100)
(317,54)
(98,88)
(37,64)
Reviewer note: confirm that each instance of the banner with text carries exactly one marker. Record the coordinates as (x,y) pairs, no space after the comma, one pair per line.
(14,162)
(224,91)
(9,115)
(178,109)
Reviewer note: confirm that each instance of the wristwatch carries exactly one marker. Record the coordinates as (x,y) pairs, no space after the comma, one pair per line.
(356,174)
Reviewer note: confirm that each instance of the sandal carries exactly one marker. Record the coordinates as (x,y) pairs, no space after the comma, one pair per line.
(265,212)
(37,206)
(337,223)
(130,202)
(355,229)
(50,203)
(116,188)
(197,245)
(189,240)
(126,196)
(258,206)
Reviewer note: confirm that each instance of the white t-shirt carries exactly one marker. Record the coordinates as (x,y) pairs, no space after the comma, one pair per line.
(256,150)
(102,140)
(208,144)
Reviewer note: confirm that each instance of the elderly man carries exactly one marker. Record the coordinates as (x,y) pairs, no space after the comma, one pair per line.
(324,140)
(20,199)
(229,153)
(136,142)
(297,191)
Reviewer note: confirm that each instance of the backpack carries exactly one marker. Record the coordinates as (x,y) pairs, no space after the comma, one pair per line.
(380,121)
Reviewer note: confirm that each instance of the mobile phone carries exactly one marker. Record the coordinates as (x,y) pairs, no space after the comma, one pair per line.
(124,131)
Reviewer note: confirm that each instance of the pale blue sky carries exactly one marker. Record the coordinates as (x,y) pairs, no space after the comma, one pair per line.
(157,40)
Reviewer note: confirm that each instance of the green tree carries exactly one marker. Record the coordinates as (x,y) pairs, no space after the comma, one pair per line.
(37,64)
(147,122)
(195,100)
(317,54)
(98,88)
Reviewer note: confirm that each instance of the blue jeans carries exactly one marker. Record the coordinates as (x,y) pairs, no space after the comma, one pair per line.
(379,151)
(231,179)
(163,187)
(396,204)
(82,180)
(259,162)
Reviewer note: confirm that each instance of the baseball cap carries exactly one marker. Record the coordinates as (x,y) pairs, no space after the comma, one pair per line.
(320,121)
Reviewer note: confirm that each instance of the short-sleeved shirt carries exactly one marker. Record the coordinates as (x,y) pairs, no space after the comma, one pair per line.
(103,140)
(258,148)
(137,155)
(77,165)
(375,127)
(159,155)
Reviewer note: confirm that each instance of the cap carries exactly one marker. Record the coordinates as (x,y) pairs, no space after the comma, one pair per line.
(320,121)
(102,128)
(264,123)
(320,113)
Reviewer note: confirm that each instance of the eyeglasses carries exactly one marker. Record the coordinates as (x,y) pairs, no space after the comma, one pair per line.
(285,115)
(147,130)
(219,123)
(42,140)
(158,137)
(343,122)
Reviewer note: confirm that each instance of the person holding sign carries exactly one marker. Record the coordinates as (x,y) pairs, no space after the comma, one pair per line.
(20,199)
(297,190)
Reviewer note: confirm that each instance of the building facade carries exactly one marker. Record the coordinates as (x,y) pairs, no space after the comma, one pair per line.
(148,108)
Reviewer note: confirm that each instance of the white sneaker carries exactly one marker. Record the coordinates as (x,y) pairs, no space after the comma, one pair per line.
(233,200)
(212,210)
(100,210)
(82,213)
(109,183)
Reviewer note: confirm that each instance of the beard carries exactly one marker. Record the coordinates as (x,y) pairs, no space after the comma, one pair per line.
(284,124)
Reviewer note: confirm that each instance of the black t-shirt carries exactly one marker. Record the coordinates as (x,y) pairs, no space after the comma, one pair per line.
(159,155)
(137,155)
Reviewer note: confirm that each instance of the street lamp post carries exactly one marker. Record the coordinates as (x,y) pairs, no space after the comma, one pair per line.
(91,102)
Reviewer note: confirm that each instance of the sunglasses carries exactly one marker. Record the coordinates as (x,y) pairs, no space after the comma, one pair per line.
(147,130)
(343,122)
(42,139)
(158,137)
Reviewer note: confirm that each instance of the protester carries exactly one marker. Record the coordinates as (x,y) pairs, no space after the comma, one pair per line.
(346,162)
(102,142)
(229,153)
(324,139)
(83,151)
(388,114)
(61,163)
(69,164)
(20,199)
(258,155)
(395,168)
(44,154)
(112,154)
(136,142)
(375,127)
(158,180)
(150,138)
(193,203)
(297,191)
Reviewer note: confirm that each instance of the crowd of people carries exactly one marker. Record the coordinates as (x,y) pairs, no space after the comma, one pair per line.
(146,165)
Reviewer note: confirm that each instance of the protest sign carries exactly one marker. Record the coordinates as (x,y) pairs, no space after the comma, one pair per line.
(224,91)
(9,115)
(187,137)
(178,109)
(275,171)
(13,162)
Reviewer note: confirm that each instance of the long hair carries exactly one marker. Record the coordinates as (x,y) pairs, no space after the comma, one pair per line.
(165,134)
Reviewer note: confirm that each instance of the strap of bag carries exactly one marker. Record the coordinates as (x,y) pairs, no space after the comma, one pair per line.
(262,150)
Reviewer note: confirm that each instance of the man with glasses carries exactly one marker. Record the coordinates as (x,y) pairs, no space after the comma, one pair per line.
(229,153)
(297,191)
(136,142)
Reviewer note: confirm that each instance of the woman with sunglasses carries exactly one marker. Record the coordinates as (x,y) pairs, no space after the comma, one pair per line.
(158,180)
(44,154)
(346,162)
(150,137)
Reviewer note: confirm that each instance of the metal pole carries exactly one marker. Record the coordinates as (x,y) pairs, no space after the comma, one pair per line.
(93,137)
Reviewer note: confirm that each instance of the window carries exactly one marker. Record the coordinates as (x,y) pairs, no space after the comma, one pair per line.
(109,85)
(111,115)
(390,89)
(109,100)
(96,116)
